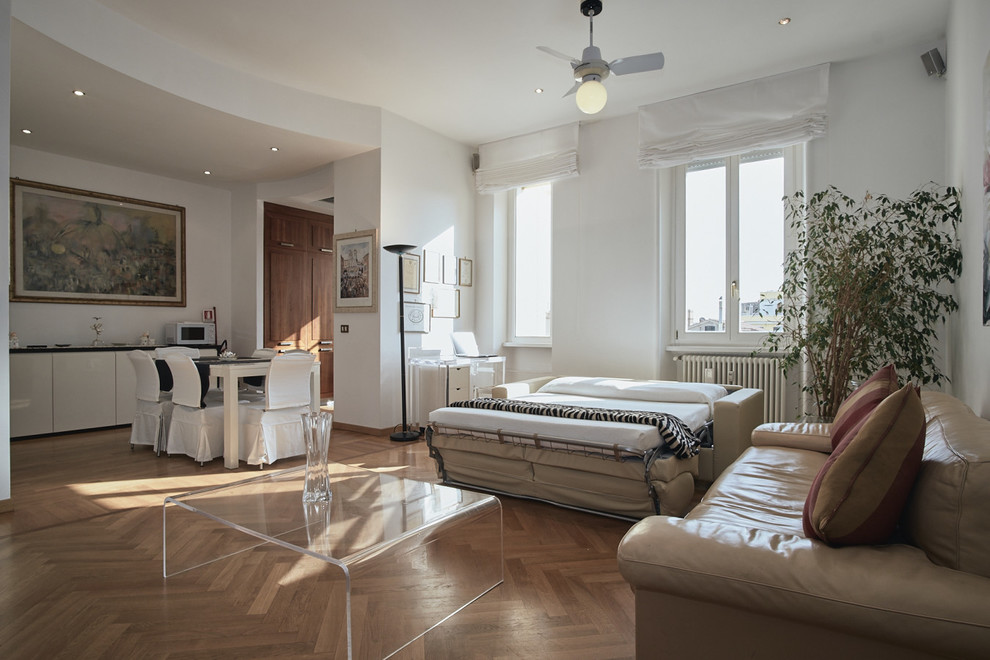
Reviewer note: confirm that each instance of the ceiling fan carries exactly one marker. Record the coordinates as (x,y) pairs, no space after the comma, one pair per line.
(591,69)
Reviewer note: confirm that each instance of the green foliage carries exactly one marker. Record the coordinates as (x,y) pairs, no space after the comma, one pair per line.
(866,286)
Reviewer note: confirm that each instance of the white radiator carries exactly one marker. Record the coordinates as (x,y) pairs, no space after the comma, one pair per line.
(760,372)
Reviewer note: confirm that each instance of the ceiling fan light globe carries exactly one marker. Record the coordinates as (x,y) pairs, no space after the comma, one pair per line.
(591,97)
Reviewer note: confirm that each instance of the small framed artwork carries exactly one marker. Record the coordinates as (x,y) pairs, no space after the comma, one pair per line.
(449,269)
(78,246)
(417,317)
(357,271)
(446,303)
(410,272)
(432,265)
(465,272)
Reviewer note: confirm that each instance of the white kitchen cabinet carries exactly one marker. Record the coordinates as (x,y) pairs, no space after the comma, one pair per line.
(126,386)
(84,390)
(30,394)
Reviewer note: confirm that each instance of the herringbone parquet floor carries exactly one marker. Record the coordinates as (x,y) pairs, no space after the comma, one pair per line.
(80,569)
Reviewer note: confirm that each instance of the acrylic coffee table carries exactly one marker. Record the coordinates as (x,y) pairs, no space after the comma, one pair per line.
(384,562)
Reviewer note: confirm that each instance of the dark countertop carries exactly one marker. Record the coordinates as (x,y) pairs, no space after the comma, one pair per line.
(60,348)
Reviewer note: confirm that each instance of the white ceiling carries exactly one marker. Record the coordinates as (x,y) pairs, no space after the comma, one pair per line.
(463,68)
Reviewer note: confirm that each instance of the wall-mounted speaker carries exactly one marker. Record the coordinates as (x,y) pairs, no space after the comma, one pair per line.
(475,162)
(934,64)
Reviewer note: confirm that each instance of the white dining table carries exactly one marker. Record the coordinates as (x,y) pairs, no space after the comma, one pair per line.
(228,371)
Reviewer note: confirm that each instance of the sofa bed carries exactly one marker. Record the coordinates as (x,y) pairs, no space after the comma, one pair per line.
(751,573)
(630,461)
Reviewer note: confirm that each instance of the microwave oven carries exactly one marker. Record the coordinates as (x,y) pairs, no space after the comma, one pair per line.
(182,334)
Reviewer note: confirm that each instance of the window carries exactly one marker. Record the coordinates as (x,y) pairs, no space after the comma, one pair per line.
(731,245)
(529,265)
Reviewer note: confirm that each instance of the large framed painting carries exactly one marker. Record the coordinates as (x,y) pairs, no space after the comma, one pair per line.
(357,271)
(79,246)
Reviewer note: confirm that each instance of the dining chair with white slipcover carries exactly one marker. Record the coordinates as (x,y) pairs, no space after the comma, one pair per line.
(196,429)
(154,407)
(271,429)
(256,384)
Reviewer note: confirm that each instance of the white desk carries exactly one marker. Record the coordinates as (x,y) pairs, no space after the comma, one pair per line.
(228,372)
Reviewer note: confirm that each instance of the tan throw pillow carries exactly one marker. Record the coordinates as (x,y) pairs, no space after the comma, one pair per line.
(857,406)
(858,495)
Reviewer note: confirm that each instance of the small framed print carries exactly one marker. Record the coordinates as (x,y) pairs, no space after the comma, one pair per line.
(449,269)
(410,272)
(432,265)
(417,317)
(356,257)
(465,272)
(446,303)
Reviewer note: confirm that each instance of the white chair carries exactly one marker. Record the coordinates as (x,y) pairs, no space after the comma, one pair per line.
(154,407)
(271,429)
(255,385)
(196,428)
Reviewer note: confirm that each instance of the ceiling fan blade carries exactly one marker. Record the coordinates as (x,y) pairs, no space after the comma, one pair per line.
(556,53)
(572,90)
(636,64)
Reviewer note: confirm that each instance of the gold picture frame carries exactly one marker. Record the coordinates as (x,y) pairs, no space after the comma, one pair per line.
(78,246)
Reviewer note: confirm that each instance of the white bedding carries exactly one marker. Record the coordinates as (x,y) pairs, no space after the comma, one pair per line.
(635,436)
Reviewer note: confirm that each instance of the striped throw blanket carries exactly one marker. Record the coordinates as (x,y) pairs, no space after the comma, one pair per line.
(673,432)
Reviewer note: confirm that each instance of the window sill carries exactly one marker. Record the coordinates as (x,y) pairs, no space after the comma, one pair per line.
(524,344)
(716,349)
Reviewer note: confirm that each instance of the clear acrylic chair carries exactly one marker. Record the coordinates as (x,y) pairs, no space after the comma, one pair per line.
(271,429)
(154,407)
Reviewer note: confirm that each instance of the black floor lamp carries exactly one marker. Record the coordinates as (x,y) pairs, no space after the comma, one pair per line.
(405,435)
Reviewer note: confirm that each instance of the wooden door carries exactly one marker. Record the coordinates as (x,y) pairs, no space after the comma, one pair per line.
(299,276)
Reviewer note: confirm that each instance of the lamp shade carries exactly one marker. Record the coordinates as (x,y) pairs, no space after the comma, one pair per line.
(591,97)
(399,248)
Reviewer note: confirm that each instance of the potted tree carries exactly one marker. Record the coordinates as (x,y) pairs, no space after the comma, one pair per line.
(866,285)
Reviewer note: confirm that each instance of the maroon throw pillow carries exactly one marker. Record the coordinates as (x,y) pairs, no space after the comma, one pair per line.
(854,410)
(859,493)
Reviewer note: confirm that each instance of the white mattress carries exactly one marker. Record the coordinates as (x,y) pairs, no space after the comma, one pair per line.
(635,436)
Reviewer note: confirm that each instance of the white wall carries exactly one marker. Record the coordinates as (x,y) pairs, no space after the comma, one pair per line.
(885,127)
(208,254)
(247,270)
(428,201)
(357,354)
(969,45)
(605,258)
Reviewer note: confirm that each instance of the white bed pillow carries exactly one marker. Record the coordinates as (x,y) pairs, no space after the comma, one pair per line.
(640,390)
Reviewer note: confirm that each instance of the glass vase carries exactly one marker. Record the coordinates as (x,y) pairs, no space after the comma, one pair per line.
(316,435)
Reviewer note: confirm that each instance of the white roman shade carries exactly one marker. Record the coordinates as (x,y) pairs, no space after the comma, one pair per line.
(538,157)
(778,111)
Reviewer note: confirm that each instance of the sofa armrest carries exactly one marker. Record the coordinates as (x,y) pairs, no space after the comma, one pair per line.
(518,388)
(890,592)
(734,418)
(798,435)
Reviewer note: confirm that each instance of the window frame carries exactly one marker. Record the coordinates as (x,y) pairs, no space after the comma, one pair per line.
(511,337)
(732,337)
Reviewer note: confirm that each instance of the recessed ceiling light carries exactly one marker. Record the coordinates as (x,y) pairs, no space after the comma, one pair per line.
(79,92)
(26,131)
(784,21)
(538,90)
(274,148)
(207,172)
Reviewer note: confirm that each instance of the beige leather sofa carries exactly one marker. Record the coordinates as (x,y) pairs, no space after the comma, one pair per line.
(736,578)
